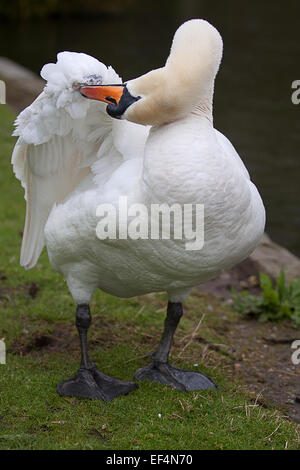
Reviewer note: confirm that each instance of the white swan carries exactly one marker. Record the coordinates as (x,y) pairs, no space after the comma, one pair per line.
(72,155)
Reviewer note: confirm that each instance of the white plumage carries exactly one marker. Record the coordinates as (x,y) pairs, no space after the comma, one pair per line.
(71,156)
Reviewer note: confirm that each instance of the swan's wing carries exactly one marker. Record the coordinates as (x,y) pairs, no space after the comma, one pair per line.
(61,135)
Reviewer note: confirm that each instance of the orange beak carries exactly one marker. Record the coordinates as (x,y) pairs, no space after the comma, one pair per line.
(106,93)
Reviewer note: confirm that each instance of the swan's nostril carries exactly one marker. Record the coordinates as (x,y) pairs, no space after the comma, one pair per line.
(112,100)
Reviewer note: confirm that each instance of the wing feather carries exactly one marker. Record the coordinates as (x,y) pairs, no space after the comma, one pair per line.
(60,135)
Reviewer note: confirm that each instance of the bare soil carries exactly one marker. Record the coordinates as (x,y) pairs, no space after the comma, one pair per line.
(258,353)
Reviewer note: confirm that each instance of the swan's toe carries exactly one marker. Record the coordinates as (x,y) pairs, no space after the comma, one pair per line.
(182,380)
(91,383)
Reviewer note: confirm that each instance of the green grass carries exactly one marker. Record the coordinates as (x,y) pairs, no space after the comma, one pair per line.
(274,303)
(33,416)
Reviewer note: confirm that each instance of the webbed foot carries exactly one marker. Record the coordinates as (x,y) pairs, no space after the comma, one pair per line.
(91,383)
(182,380)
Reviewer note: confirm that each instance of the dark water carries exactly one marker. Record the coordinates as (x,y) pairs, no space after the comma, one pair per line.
(253,105)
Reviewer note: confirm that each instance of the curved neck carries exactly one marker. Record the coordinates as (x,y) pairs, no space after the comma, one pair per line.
(205,107)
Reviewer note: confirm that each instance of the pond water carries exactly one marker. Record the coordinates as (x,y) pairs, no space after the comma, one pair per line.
(253,106)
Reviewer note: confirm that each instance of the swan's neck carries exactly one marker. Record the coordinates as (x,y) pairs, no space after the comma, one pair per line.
(204,108)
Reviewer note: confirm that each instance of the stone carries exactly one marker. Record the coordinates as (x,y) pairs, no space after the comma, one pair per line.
(22,85)
(270,258)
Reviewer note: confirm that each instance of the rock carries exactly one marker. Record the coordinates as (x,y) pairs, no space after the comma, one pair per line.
(237,278)
(270,258)
(22,85)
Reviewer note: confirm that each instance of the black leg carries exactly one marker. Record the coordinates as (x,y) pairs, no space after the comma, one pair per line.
(83,322)
(89,382)
(161,371)
(174,314)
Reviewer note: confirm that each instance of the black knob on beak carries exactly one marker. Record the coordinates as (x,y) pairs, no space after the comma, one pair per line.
(117,110)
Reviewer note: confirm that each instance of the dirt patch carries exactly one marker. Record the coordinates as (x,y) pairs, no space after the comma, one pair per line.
(59,339)
(28,290)
(262,354)
(257,354)
(103,334)
(33,290)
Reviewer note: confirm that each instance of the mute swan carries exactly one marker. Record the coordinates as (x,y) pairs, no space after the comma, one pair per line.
(90,139)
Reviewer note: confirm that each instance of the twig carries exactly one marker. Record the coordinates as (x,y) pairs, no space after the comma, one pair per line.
(268,437)
(138,357)
(139,312)
(193,334)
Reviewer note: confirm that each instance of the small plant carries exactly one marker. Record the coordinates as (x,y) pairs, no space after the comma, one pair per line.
(274,303)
